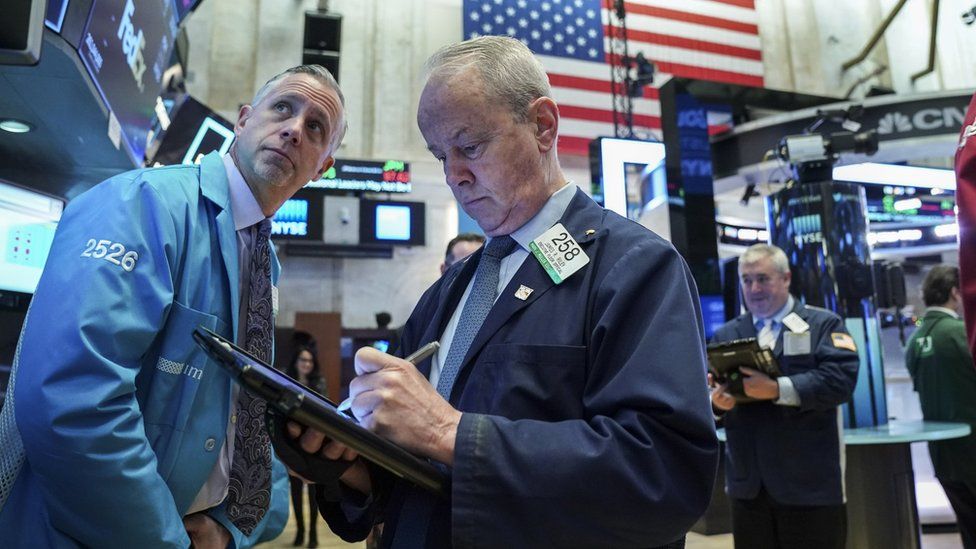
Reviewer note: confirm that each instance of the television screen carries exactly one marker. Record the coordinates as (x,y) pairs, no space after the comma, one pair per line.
(299,218)
(392,222)
(628,176)
(126,47)
(713,313)
(397,223)
(193,131)
(54,15)
(27,224)
(184,7)
(25,243)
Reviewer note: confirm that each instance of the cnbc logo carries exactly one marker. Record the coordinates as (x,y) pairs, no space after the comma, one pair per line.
(923,120)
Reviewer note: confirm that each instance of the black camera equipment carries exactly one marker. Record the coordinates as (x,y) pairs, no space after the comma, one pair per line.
(812,155)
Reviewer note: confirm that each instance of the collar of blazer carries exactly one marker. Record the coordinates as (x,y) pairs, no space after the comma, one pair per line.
(583,218)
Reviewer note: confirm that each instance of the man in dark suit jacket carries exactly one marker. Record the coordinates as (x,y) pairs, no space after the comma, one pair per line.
(941,366)
(784,450)
(578,414)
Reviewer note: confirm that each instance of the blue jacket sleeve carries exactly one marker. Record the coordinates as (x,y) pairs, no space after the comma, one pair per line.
(830,382)
(90,323)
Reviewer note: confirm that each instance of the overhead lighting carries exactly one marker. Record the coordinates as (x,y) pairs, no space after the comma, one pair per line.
(15,126)
(891,174)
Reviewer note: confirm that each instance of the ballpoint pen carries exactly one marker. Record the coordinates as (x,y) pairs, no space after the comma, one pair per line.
(414,358)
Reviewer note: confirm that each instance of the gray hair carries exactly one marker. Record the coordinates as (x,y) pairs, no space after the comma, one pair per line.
(508,70)
(319,73)
(757,252)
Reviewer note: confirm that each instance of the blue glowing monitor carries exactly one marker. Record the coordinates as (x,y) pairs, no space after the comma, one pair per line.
(393,222)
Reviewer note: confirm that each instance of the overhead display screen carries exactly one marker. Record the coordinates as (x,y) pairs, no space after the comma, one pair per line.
(54,14)
(391,176)
(126,47)
(193,131)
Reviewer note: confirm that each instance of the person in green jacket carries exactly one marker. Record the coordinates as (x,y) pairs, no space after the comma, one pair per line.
(942,370)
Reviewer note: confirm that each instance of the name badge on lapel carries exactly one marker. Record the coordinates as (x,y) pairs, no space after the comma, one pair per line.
(559,253)
(795,323)
(796,344)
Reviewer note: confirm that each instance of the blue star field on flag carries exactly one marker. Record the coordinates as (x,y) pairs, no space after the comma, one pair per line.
(563,28)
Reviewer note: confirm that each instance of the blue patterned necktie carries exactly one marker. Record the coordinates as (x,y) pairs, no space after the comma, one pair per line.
(249,492)
(766,338)
(476,308)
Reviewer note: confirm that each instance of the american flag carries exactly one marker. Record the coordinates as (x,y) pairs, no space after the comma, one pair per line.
(705,39)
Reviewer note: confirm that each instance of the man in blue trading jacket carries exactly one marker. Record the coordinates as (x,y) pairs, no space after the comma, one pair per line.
(784,453)
(569,407)
(117,430)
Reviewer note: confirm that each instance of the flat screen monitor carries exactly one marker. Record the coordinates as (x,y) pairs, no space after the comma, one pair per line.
(184,7)
(299,218)
(194,130)
(389,222)
(54,14)
(713,313)
(628,176)
(126,48)
(27,224)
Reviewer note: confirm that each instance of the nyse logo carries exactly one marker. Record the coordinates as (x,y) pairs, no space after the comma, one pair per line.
(923,120)
(133,44)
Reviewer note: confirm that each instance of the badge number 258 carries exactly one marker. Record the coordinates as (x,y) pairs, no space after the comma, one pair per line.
(113,252)
(559,253)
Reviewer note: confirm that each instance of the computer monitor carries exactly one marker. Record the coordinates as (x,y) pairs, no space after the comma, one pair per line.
(393,223)
(299,218)
(27,224)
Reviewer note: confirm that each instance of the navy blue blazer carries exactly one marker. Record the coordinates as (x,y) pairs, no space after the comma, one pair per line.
(794,452)
(586,417)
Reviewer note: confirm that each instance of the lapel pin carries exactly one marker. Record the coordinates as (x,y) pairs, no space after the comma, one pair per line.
(523,292)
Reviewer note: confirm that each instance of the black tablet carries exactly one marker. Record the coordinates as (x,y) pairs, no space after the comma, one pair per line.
(725,359)
(305,406)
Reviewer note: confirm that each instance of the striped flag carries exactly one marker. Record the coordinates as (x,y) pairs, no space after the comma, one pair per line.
(704,39)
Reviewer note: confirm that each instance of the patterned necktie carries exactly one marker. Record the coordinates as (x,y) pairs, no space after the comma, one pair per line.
(476,308)
(249,492)
(766,338)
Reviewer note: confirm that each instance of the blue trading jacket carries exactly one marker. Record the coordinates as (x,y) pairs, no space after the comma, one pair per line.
(120,414)
(794,452)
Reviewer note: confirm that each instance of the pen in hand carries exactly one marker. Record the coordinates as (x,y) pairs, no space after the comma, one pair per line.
(414,358)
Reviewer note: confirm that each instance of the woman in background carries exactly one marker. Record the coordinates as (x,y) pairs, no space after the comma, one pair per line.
(304,367)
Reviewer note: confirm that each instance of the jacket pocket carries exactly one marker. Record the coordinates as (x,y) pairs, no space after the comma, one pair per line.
(179,368)
(521,381)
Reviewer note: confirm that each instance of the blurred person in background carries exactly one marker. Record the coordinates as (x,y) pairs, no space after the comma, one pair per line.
(304,367)
(942,371)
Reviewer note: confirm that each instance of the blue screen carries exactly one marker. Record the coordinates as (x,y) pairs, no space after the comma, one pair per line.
(291,219)
(392,222)
(713,313)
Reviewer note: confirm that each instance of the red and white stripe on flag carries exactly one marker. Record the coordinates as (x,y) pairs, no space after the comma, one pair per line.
(715,40)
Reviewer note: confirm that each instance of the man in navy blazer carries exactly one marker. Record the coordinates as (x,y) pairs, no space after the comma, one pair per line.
(784,451)
(579,416)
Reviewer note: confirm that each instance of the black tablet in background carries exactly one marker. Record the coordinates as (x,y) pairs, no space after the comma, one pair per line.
(305,406)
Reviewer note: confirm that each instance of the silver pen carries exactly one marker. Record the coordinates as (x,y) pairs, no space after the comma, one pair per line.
(414,358)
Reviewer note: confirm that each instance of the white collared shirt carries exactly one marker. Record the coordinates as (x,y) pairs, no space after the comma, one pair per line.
(788,396)
(246,213)
(552,211)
